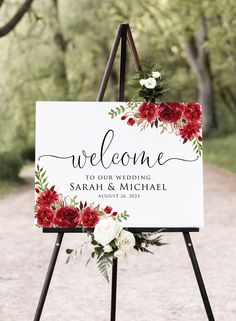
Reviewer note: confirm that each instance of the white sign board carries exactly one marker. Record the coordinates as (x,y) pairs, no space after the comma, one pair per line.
(156,178)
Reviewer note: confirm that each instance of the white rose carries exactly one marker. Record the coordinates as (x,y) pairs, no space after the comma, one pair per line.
(150,83)
(106,230)
(108,249)
(142,82)
(119,253)
(156,74)
(125,241)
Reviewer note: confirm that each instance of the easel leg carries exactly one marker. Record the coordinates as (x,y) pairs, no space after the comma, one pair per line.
(113,289)
(198,275)
(48,276)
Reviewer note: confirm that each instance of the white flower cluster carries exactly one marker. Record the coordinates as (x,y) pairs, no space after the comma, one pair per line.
(108,230)
(150,82)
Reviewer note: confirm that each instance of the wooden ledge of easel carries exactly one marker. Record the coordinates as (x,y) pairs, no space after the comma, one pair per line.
(133,229)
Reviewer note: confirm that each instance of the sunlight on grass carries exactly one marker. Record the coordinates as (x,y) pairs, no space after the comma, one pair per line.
(10,186)
(221,151)
(6,187)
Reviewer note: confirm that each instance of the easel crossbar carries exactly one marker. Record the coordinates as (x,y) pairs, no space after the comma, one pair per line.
(133,230)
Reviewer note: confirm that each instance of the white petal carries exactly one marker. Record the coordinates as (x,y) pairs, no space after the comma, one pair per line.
(142,82)
(150,83)
(156,74)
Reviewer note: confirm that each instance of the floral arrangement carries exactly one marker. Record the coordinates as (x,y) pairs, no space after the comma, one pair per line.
(54,210)
(182,119)
(108,239)
(150,86)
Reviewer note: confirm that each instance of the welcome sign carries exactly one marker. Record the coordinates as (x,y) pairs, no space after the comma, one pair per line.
(87,156)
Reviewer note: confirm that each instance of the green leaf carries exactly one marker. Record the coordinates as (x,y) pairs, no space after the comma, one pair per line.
(43,174)
(103,263)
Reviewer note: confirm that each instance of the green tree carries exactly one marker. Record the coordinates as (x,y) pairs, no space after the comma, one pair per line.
(59,50)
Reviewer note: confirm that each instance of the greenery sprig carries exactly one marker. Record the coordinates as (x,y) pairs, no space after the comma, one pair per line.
(103,263)
(143,240)
(121,217)
(197,147)
(117,111)
(41,178)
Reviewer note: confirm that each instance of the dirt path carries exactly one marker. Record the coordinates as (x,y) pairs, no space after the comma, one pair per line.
(150,288)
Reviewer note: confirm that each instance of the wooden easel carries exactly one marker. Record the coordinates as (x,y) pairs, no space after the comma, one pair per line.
(123,35)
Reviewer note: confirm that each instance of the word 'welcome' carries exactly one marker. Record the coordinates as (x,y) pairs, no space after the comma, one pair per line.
(106,161)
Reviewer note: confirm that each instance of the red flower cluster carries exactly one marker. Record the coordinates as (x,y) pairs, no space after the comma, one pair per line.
(170,112)
(45,217)
(148,111)
(50,212)
(67,216)
(185,116)
(108,210)
(192,114)
(89,217)
(47,198)
(190,130)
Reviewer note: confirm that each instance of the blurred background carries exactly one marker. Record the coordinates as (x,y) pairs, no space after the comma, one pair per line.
(58,49)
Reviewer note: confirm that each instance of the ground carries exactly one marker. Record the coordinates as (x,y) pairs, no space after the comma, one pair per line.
(150,287)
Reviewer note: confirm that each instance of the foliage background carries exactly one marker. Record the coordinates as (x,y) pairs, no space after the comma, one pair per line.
(59,49)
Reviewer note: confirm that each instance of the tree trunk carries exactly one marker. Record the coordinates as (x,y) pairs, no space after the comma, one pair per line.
(199,61)
(59,71)
(206,98)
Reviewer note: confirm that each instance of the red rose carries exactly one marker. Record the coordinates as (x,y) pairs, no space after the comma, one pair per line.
(67,216)
(89,217)
(192,112)
(45,217)
(47,198)
(114,213)
(123,117)
(131,121)
(190,130)
(170,112)
(147,111)
(108,209)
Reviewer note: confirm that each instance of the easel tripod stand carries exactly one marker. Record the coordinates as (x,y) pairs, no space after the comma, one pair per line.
(123,35)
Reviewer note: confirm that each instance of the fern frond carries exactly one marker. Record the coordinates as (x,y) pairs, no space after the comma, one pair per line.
(103,263)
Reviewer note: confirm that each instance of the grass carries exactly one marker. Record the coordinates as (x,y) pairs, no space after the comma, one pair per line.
(221,151)
(8,186)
